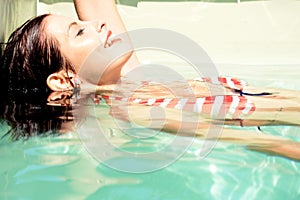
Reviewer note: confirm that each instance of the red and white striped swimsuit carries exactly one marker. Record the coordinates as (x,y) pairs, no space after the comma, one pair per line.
(226,106)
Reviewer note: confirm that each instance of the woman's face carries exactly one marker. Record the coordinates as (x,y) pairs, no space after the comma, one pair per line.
(91,47)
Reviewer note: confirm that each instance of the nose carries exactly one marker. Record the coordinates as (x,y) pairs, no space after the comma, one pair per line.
(100,26)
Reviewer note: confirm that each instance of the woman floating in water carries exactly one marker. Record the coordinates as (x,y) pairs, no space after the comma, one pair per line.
(40,68)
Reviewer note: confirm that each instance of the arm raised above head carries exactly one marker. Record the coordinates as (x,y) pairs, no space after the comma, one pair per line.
(105,10)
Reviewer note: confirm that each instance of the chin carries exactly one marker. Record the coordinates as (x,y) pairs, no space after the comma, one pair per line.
(104,65)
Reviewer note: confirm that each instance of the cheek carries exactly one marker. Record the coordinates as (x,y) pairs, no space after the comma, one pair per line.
(86,45)
(79,51)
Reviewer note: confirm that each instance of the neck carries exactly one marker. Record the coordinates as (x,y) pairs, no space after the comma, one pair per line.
(130,65)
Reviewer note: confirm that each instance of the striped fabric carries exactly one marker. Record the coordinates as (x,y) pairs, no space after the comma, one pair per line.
(227,106)
(228,82)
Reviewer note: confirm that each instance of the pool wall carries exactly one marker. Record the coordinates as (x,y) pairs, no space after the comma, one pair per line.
(14,13)
(253,32)
(249,32)
(260,35)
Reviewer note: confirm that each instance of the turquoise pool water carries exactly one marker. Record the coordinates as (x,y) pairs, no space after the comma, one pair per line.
(61,168)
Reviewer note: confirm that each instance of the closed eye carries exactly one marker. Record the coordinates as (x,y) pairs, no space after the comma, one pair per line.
(80,32)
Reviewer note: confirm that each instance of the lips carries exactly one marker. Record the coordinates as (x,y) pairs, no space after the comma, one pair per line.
(109,41)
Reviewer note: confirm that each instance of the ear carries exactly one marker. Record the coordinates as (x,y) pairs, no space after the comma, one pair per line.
(60,81)
(59,98)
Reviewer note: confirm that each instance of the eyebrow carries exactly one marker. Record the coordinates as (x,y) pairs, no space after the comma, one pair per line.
(70,26)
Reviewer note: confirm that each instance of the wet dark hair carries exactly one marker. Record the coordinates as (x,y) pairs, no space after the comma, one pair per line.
(27,59)
(30,56)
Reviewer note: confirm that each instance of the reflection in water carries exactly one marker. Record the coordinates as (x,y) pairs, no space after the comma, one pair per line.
(30,114)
